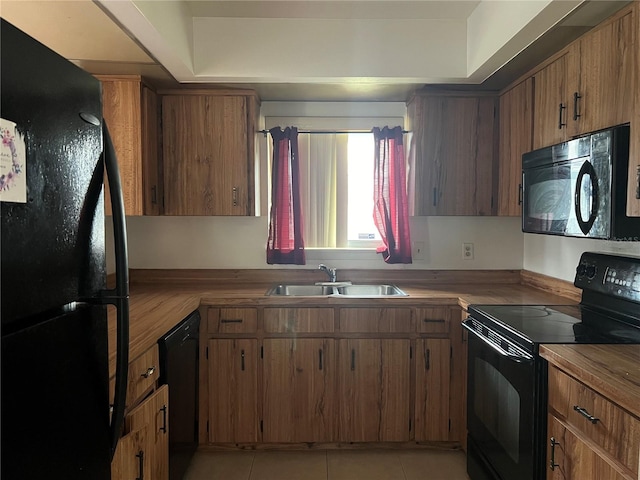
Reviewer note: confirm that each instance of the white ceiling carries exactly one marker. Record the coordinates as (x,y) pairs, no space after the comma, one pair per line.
(302,49)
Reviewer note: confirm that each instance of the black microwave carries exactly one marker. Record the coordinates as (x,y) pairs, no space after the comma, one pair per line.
(578,188)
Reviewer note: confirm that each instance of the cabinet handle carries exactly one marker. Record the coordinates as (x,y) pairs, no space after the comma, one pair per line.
(586,414)
(150,371)
(320,359)
(519,194)
(242,360)
(576,97)
(560,124)
(435,197)
(353,359)
(140,457)
(428,320)
(638,182)
(552,463)
(427,359)
(231,320)
(163,428)
(234,196)
(154,194)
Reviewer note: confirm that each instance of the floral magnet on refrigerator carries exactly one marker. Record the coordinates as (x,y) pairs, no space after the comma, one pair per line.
(13,163)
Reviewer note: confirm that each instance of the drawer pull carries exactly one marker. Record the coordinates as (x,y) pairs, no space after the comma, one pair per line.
(163,428)
(427,320)
(150,371)
(231,320)
(586,414)
(552,463)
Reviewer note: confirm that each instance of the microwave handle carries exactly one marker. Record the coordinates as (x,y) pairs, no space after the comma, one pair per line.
(586,169)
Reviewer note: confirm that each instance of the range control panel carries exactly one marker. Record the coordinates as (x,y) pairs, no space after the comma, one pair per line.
(611,275)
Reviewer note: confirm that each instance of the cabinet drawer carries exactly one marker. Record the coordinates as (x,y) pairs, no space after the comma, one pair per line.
(433,320)
(232,320)
(298,320)
(365,320)
(596,418)
(143,373)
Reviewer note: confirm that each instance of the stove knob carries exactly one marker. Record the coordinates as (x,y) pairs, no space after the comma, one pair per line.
(582,268)
(591,271)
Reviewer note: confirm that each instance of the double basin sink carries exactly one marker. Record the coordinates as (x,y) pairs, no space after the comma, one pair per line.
(338,289)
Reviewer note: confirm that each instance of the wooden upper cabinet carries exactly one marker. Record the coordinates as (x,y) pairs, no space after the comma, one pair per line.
(455,145)
(605,93)
(208,153)
(130,108)
(551,102)
(516,138)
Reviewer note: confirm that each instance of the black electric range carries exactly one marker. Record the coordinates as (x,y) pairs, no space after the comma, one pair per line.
(507,379)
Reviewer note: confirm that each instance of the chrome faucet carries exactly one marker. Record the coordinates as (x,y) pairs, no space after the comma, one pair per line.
(332,272)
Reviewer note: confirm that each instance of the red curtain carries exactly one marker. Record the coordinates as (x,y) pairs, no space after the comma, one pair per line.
(285,244)
(390,207)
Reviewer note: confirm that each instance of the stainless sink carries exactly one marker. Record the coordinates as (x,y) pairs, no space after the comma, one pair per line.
(300,290)
(371,291)
(343,290)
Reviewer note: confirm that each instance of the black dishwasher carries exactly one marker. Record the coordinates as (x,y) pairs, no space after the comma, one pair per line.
(179,370)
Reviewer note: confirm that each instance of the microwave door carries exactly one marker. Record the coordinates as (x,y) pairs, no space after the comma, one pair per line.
(547,204)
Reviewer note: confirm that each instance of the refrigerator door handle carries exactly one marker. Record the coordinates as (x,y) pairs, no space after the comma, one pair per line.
(119,296)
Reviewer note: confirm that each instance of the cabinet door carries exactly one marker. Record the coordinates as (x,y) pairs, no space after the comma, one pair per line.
(455,155)
(153,415)
(374,390)
(131,460)
(607,72)
(298,390)
(516,132)
(432,389)
(569,458)
(551,105)
(206,158)
(233,399)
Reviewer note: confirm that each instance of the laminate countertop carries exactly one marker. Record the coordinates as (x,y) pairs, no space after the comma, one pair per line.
(155,309)
(613,370)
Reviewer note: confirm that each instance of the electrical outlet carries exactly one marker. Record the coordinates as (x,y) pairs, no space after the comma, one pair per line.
(467,251)
(418,251)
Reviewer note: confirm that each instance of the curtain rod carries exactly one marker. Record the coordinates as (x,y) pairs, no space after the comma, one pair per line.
(327,132)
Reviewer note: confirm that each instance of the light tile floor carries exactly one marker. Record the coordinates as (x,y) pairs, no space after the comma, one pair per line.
(419,464)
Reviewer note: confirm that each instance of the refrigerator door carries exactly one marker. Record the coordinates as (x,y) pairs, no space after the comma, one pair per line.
(52,245)
(55,407)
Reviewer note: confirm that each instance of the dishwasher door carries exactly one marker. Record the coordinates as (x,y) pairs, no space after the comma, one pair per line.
(179,370)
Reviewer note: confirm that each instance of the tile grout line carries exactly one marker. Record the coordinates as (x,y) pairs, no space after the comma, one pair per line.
(326,462)
(253,459)
(404,474)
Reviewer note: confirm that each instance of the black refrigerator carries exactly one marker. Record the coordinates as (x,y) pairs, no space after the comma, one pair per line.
(58,421)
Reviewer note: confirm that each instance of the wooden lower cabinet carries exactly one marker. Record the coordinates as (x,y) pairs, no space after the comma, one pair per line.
(374,390)
(233,390)
(570,458)
(298,395)
(143,453)
(432,418)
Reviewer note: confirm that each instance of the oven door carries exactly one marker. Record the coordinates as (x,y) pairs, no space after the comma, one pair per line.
(501,409)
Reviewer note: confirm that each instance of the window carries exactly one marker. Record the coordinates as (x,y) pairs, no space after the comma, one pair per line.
(337,190)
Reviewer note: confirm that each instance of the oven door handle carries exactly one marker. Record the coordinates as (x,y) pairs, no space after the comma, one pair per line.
(500,351)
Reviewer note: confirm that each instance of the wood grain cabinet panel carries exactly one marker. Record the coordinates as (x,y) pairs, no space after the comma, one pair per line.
(232,320)
(516,138)
(298,390)
(570,458)
(131,110)
(598,420)
(455,147)
(374,390)
(153,416)
(298,320)
(233,390)
(208,154)
(432,418)
(433,319)
(131,459)
(388,320)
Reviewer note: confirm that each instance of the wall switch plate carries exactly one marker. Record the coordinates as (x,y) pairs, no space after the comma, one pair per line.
(467,251)
(418,251)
